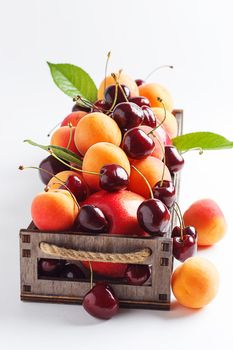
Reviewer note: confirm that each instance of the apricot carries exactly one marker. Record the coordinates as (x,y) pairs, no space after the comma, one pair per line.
(152,91)
(152,169)
(54,182)
(96,127)
(73,118)
(208,219)
(97,156)
(195,283)
(61,137)
(54,210)
(123,78)
(158,151)
(170,123)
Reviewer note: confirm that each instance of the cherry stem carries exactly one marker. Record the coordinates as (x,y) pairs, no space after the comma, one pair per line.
(21,167)
(165,116)
(91,270)
(48,135)
(119,85)
(145,179)
(71,135)
(71,166)
(67,188)
(158,68)
(164,159)
(106,68)
(180,221)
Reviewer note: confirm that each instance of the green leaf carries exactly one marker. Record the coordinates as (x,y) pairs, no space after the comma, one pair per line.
(73,81)
(203,140)
(60,152)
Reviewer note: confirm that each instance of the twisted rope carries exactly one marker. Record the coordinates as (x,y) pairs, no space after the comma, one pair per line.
(71,254)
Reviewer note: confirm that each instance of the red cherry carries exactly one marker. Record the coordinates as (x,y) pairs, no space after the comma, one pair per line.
(91,219)
(137,144)
(174,160)
(184,248)
(109,95)
(137,274)
(149,117)
(100,106)
(140,101)
(139,82)
(53,166)
(127,115)
(72,271)
(165,191)
(187,230)
(153,216)
(101,302)
(77,186)
(113,178)
(50,267)
(76,108)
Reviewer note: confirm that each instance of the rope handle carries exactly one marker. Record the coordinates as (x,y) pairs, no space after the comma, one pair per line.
(72,254)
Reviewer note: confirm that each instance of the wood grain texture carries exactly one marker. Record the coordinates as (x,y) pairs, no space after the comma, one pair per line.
(153,295)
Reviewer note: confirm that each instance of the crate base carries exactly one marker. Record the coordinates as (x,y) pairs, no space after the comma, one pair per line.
(128,304)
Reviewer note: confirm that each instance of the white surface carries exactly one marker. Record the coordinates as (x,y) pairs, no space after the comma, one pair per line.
(196,37)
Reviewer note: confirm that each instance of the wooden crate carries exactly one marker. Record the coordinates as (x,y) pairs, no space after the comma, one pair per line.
(155,294)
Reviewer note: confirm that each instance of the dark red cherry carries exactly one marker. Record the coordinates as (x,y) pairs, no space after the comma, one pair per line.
(184,248)
(53,166)
(187,230)
(137,274)
(77,107)
(140,101)
(113,178)
(100,106)
(127,115)
(165,191)
(137,144)
(110,91)
(149,117)
(50,267)
(91,219)
(101,302)
(174,160)
(71,272)
(77,186)
(153,216)
(139,82)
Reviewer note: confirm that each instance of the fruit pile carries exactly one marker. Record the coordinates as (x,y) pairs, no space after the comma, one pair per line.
(111,169)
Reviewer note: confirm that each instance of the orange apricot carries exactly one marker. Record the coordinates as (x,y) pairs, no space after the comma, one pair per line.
(195,283)
(54,182)
(96,127)
(54,210)
(208,219)
(97,156)
(170,123)
(158,151)
(152,91)
(64,137)
(123,78)
(73,118)
(152,169)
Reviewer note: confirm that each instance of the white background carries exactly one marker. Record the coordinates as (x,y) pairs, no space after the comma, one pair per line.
(194,36)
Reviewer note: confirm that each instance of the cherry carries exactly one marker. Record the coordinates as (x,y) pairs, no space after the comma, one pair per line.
(149,117)
(127,115)
(100,106)
(110,91)
(113,178)
(77,107)
(137,274)
(101,301)
(139,82)
(140,101)
(184,248)
(137,144)
(165,191)
(77,187)
(174,160)
(52,166)
(91,219)
(153,216)
(187,230)
(50,267)
(72,271)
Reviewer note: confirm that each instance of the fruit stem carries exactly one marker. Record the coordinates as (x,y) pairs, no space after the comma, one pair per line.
(21,167)
(91,270)
(165,116)
(106,68)
(67,188)
(145,179)
(119,85)
(48,135)
(180,221)
(71,166)
(157,68)
(71,134)
(199,149)
(164,159)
